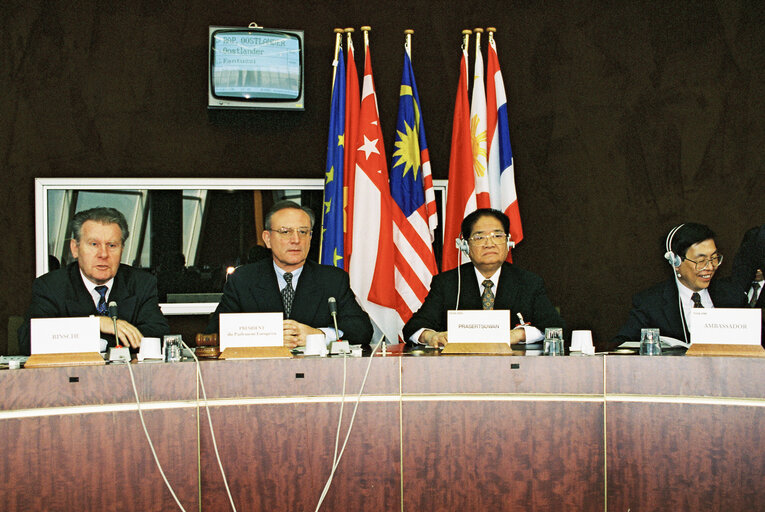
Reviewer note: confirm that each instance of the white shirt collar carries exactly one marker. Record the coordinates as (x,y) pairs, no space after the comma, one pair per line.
(91,287)
(280,276)
(494,279)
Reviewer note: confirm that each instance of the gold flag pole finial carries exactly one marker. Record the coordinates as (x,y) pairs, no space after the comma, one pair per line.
(491,31)
(366,29)
(349,31)
(466,39)
(408,42)
(478,31)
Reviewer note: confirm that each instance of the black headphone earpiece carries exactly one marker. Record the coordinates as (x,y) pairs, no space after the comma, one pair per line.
(670,256)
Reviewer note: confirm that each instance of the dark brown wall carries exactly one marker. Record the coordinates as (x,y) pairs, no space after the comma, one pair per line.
(626,117)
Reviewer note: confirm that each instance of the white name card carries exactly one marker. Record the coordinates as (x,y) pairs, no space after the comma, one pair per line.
(726,326)
(251,330)
(65,335)
(479,326)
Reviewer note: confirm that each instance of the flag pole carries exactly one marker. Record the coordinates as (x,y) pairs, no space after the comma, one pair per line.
(366,29)
(491,31)
(478,31)
(466,39)
(408,43)
(349,31)
(338,43)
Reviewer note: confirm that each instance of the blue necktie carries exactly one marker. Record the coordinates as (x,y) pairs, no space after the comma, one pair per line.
(101,308)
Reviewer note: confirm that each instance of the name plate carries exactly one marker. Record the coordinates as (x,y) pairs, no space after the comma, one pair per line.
(251,330)
(65,335)
(726,326)
(479,326)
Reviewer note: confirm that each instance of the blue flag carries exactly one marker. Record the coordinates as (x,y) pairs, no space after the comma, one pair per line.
(332,212)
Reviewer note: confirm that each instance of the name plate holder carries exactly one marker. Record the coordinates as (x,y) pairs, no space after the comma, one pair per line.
(64,342)
(478,332)
(252,336)
(728,332)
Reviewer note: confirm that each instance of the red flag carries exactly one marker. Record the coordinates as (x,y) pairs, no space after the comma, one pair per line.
(460,198)
(372,262)
(352,105)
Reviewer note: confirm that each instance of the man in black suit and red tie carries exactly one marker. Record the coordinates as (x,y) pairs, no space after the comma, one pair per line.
(291,284)
(86,286)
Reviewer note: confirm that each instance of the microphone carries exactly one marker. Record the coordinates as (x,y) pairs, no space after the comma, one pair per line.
(113,316)
(117,353)
(113,310)
(333,313)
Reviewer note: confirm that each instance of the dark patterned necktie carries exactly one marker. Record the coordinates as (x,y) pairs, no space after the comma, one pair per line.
(696,298)
(288,294)
(487,297)
(753,300)
(101,308)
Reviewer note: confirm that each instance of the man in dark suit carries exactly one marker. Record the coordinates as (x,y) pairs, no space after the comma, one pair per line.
(290,284)
(487,282)
(692,252)
(86,286)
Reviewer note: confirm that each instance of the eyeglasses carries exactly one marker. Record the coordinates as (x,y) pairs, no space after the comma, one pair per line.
(495,238)
(702,264)
(288,232)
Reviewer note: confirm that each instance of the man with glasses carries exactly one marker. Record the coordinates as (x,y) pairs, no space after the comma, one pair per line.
(291,284)
(486,282)
(693,255)
(86,286)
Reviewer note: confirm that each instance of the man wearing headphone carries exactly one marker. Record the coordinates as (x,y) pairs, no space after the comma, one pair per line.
(487,282)
(692,253)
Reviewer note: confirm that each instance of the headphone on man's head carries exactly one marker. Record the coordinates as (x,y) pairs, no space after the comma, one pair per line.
(670,256)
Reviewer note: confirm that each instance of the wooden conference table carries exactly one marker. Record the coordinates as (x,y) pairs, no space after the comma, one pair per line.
(451,433)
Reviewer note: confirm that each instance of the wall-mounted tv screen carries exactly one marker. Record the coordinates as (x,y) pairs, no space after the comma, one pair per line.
(255,68)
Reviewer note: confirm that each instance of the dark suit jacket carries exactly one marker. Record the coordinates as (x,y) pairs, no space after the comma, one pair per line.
(657,307)
(749,258)
(518,290)
(61,293)
(253,288)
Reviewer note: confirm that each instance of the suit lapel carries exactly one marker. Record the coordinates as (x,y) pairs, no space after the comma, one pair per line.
(671,308)
(266,290)
(470,295)
(120,293)
(305,304)
(507,288)
(78,298)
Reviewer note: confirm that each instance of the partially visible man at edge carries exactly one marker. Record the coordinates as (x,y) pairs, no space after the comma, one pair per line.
(290,284)
(86,286)
(693,255)
(486,275)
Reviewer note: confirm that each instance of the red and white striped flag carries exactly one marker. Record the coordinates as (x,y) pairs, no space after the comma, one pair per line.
(501,173)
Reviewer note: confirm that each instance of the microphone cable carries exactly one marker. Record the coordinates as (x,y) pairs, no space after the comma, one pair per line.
(336,462)
(148,437)
(209,422)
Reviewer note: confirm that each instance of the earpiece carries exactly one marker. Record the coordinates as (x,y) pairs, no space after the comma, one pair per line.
(462,245)
(670,256)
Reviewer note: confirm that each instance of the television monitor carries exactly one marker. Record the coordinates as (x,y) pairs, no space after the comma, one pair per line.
(256,68)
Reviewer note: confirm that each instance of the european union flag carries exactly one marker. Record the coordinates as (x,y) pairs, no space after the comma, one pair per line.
(332,214)
(406,176)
